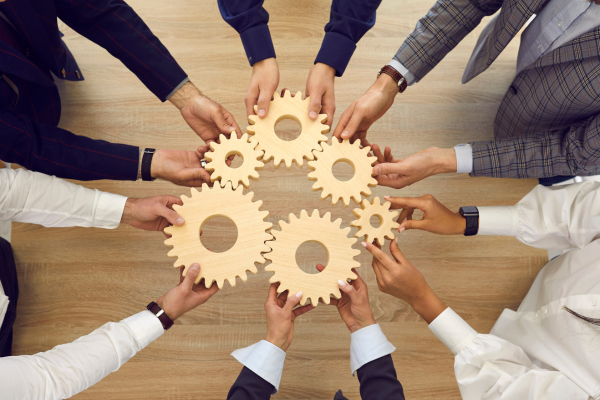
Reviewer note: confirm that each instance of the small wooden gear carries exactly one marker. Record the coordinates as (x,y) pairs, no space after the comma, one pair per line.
(312,229)
(250,243)
(288,107)
(352,154)
(233,146)
(386,221)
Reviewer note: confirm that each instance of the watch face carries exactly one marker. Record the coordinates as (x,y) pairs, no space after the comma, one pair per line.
(469,210)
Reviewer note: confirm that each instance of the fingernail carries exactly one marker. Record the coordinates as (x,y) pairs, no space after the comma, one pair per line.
(299,294)
(378,170)
(364,244)
(395,241)
(195,267)
(180,221)
(345,134)
(342,283)
(261,113)
(387,197)
(313,114)
(402,229)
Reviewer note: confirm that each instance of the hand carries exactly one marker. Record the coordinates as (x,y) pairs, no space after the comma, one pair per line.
(152,213)
(414,168)
(436,217)
(399,278)
(319,87)
(186,296)
(281,316)
(353,306)
(371,106)
(180,167)
(206,117)
(264,82)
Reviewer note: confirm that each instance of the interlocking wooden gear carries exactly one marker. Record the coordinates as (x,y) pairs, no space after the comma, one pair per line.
(312,229)
(352,154)
(288,107)
(387,220)
(241,147)
(250,243)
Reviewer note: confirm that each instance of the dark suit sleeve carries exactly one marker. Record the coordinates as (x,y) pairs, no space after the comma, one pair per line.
(55,151)
(378,380)
(349,20)
(249,386)
(113,25)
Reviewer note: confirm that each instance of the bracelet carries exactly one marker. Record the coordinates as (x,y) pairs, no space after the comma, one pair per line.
(160,314)
(395,75)
(147,164)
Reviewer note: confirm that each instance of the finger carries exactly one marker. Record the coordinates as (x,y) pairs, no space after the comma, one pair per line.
(413,224)
(352,125)
(264,101)
(208,293)
(173,200)
(169,214)
(231,121)
(341,125)
(378,254)
(377,153)
(190,277)
(314,107)
(272,295)
(218,117)
(386,169)
(349,290)
(406,202)
(251,99)
(328,106)
(301,310)
(292,301)
(403,215)
(191,176)
(320,267)
(396,253)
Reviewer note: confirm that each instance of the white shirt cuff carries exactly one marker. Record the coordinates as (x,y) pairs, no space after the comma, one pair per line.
(452,330)
(498,221)
(264,359)
(464,158)
(368,344)
(109,210)
(145,326)
(4,300)
(410,78)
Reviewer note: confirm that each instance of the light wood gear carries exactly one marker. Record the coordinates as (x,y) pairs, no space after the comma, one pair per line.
(387,221)
(242,147)
(312,229)
(250,243)
(288,107)
(353,154)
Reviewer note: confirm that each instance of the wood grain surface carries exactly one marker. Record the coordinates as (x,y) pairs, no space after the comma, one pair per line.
(74,280)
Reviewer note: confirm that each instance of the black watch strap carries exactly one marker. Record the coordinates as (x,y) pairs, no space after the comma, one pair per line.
(471,215)
(160,314)
(147,164)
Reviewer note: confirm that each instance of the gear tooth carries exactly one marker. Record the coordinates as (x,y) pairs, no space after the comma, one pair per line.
(318,186)
(355,223)
(312,176)
(256,109)
(304,214)
(244,137)
(353,276)
(326,216)
(346,230)
(322,118)
(286,94)
(299,96)
(195,191)
(326,299)
(232,280)
(223,138)
(315,214)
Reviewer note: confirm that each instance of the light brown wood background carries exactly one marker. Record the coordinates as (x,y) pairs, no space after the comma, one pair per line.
(75,280)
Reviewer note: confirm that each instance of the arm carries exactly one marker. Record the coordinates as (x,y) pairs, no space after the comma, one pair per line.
(378,380)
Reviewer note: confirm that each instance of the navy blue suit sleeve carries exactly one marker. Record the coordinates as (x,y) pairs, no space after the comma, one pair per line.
(55,151)
(249,386)
(249,19)
(378,380)
(113,25)
(349,20)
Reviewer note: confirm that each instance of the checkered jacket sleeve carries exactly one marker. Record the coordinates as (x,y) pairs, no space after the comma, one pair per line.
(576,152)
(438,32)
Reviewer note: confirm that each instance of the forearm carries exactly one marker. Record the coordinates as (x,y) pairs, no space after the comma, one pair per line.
(378,380)
(250,386)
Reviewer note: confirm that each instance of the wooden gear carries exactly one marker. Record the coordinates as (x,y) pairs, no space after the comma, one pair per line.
(352,154)
(240,147)
(250,243)
(288,107)
(386,219)
(312,229)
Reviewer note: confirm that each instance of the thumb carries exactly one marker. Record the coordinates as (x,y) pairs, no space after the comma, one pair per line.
(191,175)
(315,105)
(349,290)
(386,169)
(264,101)
(190,277)
(170,215)
(352,125)
(292,301)
(413,224)
(220,120)
(396,253)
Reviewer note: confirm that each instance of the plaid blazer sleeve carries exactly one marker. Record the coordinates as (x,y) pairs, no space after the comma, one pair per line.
(576,152)
(438,32)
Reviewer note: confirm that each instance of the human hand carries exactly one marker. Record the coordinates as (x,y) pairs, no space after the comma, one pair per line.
(320,88)
(401,173)
(353,306)
(437,218)
(281,316)
(361,114)
(186,296)
(180,167)
(206,117)
(399,278)
(264,82)
(152,213)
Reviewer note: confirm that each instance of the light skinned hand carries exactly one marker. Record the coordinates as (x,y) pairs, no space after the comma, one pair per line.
(320,88)
(152,213)
(206,117)
(281,316)
(186,295)
(367,109)
(353,306)
(180,167)
(263,84)
(437,218)
(399,278)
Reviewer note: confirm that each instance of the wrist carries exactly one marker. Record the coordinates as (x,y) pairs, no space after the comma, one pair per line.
(460,224)
(325,70)
(386,84)
(171,313)
(127,217)
(155,167)
(184,95)
(444,160)
(362,324)
(266,63)
(428,306)
(278,341)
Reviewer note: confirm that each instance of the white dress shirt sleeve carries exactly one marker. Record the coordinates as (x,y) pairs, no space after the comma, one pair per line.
(264,359)
(31,197)
(488,367)
(368,344)
(556,217)
(464,158)
(397,65)
(71,368)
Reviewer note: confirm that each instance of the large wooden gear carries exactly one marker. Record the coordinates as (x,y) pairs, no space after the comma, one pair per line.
(233,146)
(250,243)
(288,107)
(353,154)
(386,221)
(312,229)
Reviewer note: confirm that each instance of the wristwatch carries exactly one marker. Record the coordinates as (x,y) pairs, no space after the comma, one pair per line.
(471,214)
(396,76)
(147,164)
(160,314)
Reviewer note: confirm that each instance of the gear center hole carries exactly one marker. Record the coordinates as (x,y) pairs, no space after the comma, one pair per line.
(238,159)
(309,254)
(218,234)
(376,220)
(343,170)
(288,128)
